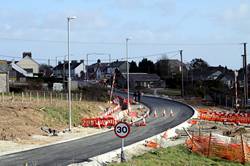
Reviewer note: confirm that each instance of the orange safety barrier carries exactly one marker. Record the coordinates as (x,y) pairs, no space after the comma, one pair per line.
(205,114)
(152,144)
(99,122)
(211,147)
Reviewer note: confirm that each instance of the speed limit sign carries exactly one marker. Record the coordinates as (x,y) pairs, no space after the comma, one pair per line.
(122,129)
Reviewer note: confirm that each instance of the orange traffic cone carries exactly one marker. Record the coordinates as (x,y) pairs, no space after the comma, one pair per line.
(155,114)
(144,121)
(171,113)
(164,113)
(146,115)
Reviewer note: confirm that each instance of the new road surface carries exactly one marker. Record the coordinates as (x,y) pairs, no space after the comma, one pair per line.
(81,150)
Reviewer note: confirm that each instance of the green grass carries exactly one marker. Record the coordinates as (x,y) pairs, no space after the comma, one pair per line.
(175,156)
(59,114)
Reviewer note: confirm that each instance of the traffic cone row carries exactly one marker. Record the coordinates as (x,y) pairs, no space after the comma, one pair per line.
(171,113)
(164,113)
(155,114)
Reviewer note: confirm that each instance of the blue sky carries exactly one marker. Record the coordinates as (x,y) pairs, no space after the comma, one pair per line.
(208,29)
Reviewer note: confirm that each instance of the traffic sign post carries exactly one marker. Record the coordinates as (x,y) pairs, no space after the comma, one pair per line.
(122,130)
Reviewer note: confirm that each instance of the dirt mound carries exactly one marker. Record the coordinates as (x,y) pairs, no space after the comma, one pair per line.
(19,122)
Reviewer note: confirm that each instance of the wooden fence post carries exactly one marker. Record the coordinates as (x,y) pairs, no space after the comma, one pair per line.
(37,97)
(13,95)
(199,130)
(22,97)
(44,96)
(2,96)
(30,96)
(242,149)
(80,99)
(50,97)
(209,144)
(61,96)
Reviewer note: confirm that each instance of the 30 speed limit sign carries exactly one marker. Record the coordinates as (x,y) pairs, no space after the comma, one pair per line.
(122,129)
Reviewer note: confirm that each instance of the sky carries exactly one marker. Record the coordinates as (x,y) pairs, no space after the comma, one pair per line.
(209,29)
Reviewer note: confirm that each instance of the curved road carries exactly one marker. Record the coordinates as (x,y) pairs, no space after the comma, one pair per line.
(82,149)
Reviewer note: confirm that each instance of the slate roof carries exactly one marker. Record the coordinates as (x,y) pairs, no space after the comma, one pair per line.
(117,64)
(73,65)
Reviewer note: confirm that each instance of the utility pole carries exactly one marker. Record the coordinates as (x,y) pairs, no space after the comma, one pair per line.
(182,80)
(236,90)
(244,56)
(56,61)
(87,65)
(64,71)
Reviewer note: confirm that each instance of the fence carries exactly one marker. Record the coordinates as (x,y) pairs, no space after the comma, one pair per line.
(39,97)
(215,145)
(210,115)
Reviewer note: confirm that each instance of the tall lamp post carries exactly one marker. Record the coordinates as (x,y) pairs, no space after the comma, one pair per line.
(127,39)
(69,78)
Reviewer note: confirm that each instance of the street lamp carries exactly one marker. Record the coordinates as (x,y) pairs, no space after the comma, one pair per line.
(127,39)
(69,78)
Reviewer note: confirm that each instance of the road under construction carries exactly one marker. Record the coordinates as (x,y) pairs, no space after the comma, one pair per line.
(83,149)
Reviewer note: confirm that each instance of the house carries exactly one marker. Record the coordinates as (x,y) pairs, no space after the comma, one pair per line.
(77,70)
(4,76)
(97,71)
(29,64)
(105,70)
(120,65)
(214,75)
(228,79)
(142,80)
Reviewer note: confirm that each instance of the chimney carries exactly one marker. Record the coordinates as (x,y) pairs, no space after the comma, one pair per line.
(27,54)
(59,62)
(73,61)
(81,61)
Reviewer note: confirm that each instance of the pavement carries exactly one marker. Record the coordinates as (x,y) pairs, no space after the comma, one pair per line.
(83,149)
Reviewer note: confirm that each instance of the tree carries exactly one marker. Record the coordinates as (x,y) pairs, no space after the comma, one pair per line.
(199,64)
(133,67)
(162,68)
(146,66)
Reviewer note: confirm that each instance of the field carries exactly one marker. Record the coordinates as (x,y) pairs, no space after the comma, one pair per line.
(175,156)
(23,115)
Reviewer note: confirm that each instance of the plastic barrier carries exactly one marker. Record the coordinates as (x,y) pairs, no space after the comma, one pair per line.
(210,115)
(219,146)
(99,122)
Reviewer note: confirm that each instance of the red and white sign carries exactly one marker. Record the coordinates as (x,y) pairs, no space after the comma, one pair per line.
(122,129)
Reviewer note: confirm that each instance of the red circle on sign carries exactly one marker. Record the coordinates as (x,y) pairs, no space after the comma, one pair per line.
(124,124)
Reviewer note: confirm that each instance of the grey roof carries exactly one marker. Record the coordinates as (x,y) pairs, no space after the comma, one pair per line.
(73,65)
(117,64)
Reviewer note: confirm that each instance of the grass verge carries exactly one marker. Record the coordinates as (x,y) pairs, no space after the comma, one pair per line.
(175,156)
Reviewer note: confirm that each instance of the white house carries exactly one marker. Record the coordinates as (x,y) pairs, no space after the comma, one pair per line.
(29,64)
(77,69)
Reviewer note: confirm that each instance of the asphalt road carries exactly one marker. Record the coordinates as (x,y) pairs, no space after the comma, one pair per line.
(82,149)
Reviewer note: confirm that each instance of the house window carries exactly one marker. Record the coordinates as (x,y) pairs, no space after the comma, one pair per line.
(29,70)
